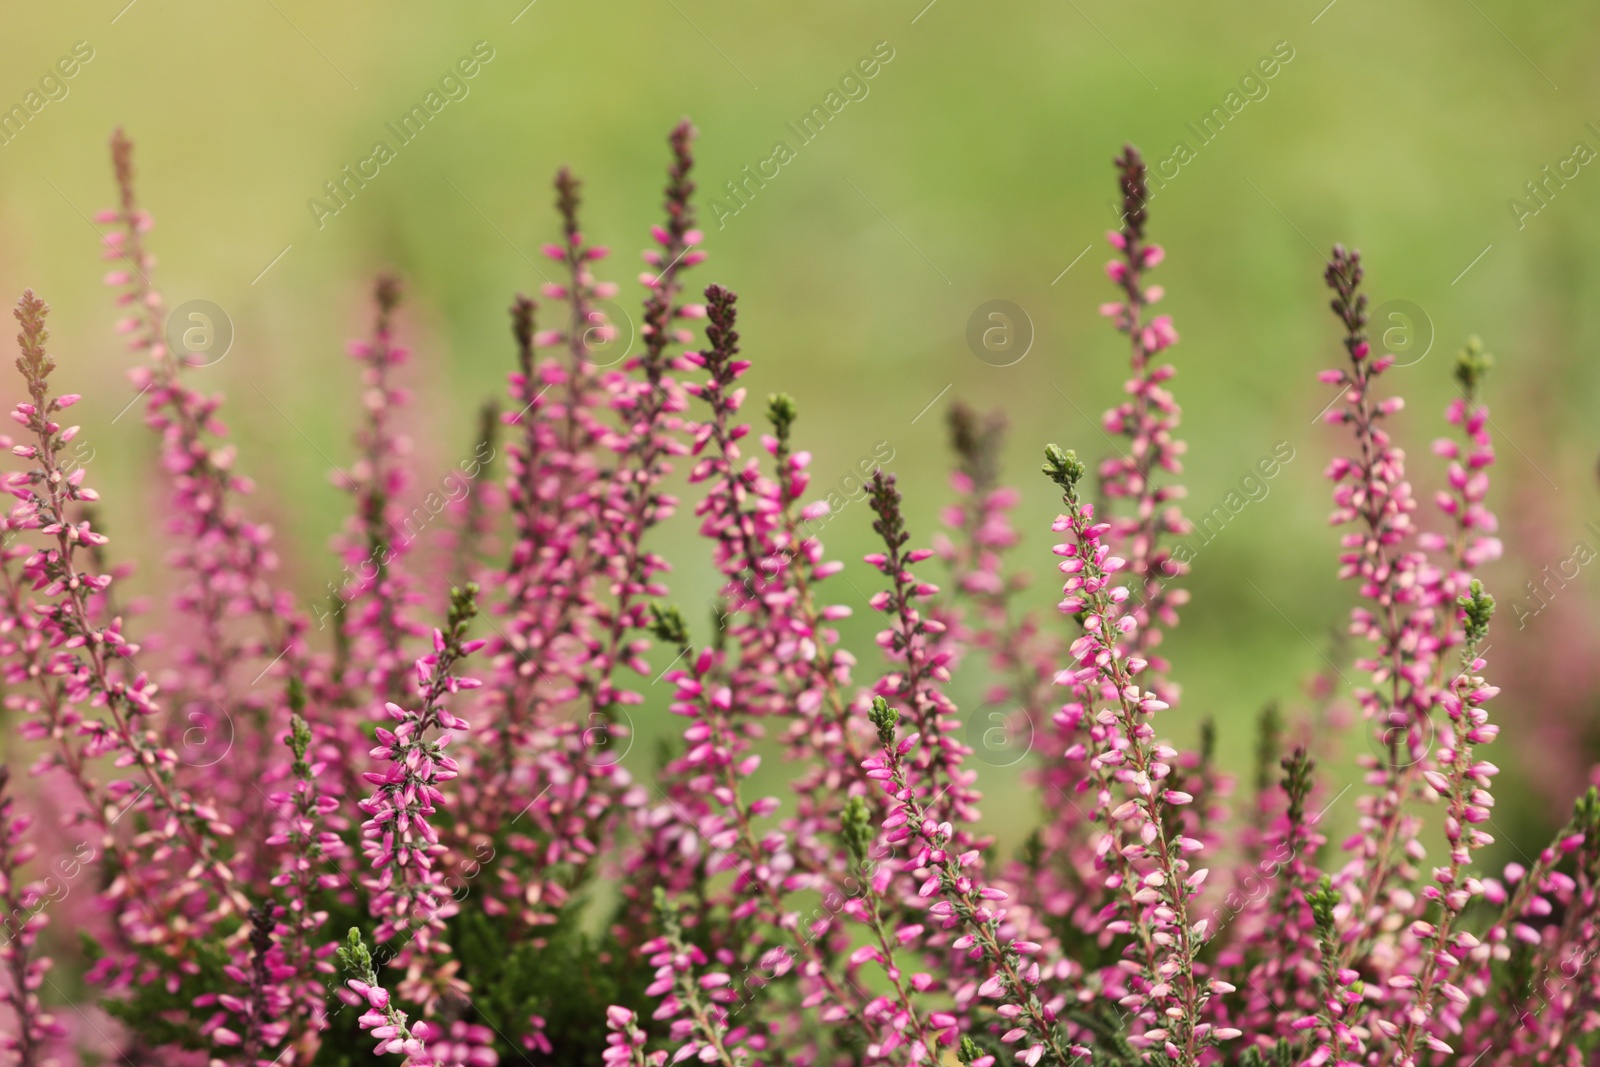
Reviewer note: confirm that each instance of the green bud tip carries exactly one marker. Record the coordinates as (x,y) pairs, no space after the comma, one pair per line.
(1063,467)
(1472,367)
(781,412)
(1479,608)
(885,719)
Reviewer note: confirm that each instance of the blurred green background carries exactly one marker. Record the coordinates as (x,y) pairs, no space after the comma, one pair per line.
(977,167)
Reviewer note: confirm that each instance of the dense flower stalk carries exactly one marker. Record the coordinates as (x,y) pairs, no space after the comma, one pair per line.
(1164,884)
(913,641)
(22,965)
(1463,782)
(944,868)
(227,558)
(1470,542)
(772,646)
(399,838)
(377,594)
(692,999)
(382,1020)
(93,666)
(310,831)
(1398,617)
(1148,419)
(825,738)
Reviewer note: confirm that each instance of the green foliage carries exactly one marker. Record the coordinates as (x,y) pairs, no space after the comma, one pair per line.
(1323,900)
(158,1014)
(568,978)
(668,626)
(1279,1055)
(299,742)
(463,608)
(355,958)
(1586,816)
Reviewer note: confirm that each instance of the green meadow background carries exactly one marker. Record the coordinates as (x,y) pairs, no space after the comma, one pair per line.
(976,167)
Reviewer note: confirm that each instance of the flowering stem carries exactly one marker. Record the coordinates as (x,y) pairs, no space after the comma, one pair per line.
(676,964)
(399,839)
(1373,491)
(966,902)
(71,615)
(1148,420)
(386,1022)
(1142,764)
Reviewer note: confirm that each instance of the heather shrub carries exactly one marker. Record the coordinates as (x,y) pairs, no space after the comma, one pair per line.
(424,842)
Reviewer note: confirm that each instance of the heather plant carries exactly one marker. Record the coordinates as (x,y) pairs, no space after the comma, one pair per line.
(424,842)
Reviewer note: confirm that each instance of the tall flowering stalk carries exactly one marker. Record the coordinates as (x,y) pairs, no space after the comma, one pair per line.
(399,838)
(947,870)
(584,493)
(1371,491)
(1470,542)
(227,558)
(1268,921)
(1463,782)
(724,693)
(96,654)
(33,1028)
(383,1021)
(824,737)
(913,641)
(546,644)
(691,996)
(377,595)
(650,401)
(904,1020)
(311,832)
(1147,420)
(1159,883)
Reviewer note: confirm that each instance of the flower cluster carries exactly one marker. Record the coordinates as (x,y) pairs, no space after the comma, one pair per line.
(287,847)
(31,1024)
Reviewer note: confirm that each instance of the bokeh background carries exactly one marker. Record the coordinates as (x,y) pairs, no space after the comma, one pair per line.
(976,168)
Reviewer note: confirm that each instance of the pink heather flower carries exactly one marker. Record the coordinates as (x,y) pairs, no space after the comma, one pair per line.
(625,1041)
(22,966)
(914,645)
(382,1021)
(399,838)
(949,872)
(580,572)
(862,917)
(237,622)
(1401,617)
(1149,420)
(703,787)
(375,600)
(1148,857)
